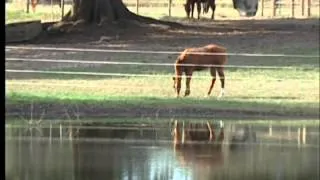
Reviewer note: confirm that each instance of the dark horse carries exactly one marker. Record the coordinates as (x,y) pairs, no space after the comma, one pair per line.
(189,7)
(197,59)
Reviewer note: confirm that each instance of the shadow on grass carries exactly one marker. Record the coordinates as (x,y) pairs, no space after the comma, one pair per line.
(117,106)
(93,32)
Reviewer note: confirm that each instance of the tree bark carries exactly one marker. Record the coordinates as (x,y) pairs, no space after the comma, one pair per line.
(97,11)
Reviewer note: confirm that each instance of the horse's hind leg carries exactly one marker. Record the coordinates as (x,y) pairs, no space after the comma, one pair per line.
(213,7)
(222,79)
(192,8)
(213,74)
(199,8)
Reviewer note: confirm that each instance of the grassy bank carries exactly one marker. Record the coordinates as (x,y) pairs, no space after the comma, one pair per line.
(92,106)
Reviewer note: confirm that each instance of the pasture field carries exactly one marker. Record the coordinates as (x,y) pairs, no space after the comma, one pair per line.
(16,10)
(283,87)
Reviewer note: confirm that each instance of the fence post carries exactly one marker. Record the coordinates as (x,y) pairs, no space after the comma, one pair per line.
(170,3)
(137,6)
(292,8)
(302,7)
(274,8)
(62,8)
(262,7)
(309,8)
(51,10)
(28,4)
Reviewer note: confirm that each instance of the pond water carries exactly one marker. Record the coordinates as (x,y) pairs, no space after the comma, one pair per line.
(147,152)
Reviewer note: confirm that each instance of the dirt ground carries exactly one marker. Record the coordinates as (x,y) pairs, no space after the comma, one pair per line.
(250,36)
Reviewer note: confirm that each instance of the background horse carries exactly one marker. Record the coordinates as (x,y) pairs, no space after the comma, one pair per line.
(209,4)
(195,59)
(189,7)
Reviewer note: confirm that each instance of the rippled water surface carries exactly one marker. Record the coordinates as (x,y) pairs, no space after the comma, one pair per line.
(98,151)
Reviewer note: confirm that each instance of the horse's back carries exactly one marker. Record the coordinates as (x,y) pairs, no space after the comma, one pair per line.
(190,56)
(215,48)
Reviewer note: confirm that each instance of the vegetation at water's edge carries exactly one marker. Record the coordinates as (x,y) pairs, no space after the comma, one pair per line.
(277,108)
(147,121)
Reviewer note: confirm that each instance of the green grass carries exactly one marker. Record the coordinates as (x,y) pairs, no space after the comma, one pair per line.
(292,91)
(16,12)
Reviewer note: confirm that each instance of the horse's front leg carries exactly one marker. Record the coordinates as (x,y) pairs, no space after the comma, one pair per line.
(222,79)
(178,86)
(188,80)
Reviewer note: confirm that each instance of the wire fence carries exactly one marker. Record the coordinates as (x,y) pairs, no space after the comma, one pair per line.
(156,52)
(86,73)
(143,75)
(147,64)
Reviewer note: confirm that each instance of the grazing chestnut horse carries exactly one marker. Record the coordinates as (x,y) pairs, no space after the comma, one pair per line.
(191,60)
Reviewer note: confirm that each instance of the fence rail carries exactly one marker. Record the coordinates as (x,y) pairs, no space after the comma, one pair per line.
(156,52)
(85,73)
(144,63)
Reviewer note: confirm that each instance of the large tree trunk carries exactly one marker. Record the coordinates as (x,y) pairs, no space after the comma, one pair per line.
(97,11)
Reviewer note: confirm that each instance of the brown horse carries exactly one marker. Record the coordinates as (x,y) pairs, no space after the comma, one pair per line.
(197,59)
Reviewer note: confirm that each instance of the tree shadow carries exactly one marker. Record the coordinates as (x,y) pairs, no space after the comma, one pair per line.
(134,31)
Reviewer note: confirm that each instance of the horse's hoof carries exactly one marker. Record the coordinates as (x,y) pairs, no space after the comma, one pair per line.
(220,97)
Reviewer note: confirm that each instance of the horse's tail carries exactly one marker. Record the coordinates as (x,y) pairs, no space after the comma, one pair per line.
(178,65)
(224,50)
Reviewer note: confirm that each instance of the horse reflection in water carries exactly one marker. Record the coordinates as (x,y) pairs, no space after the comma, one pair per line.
(198,145)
